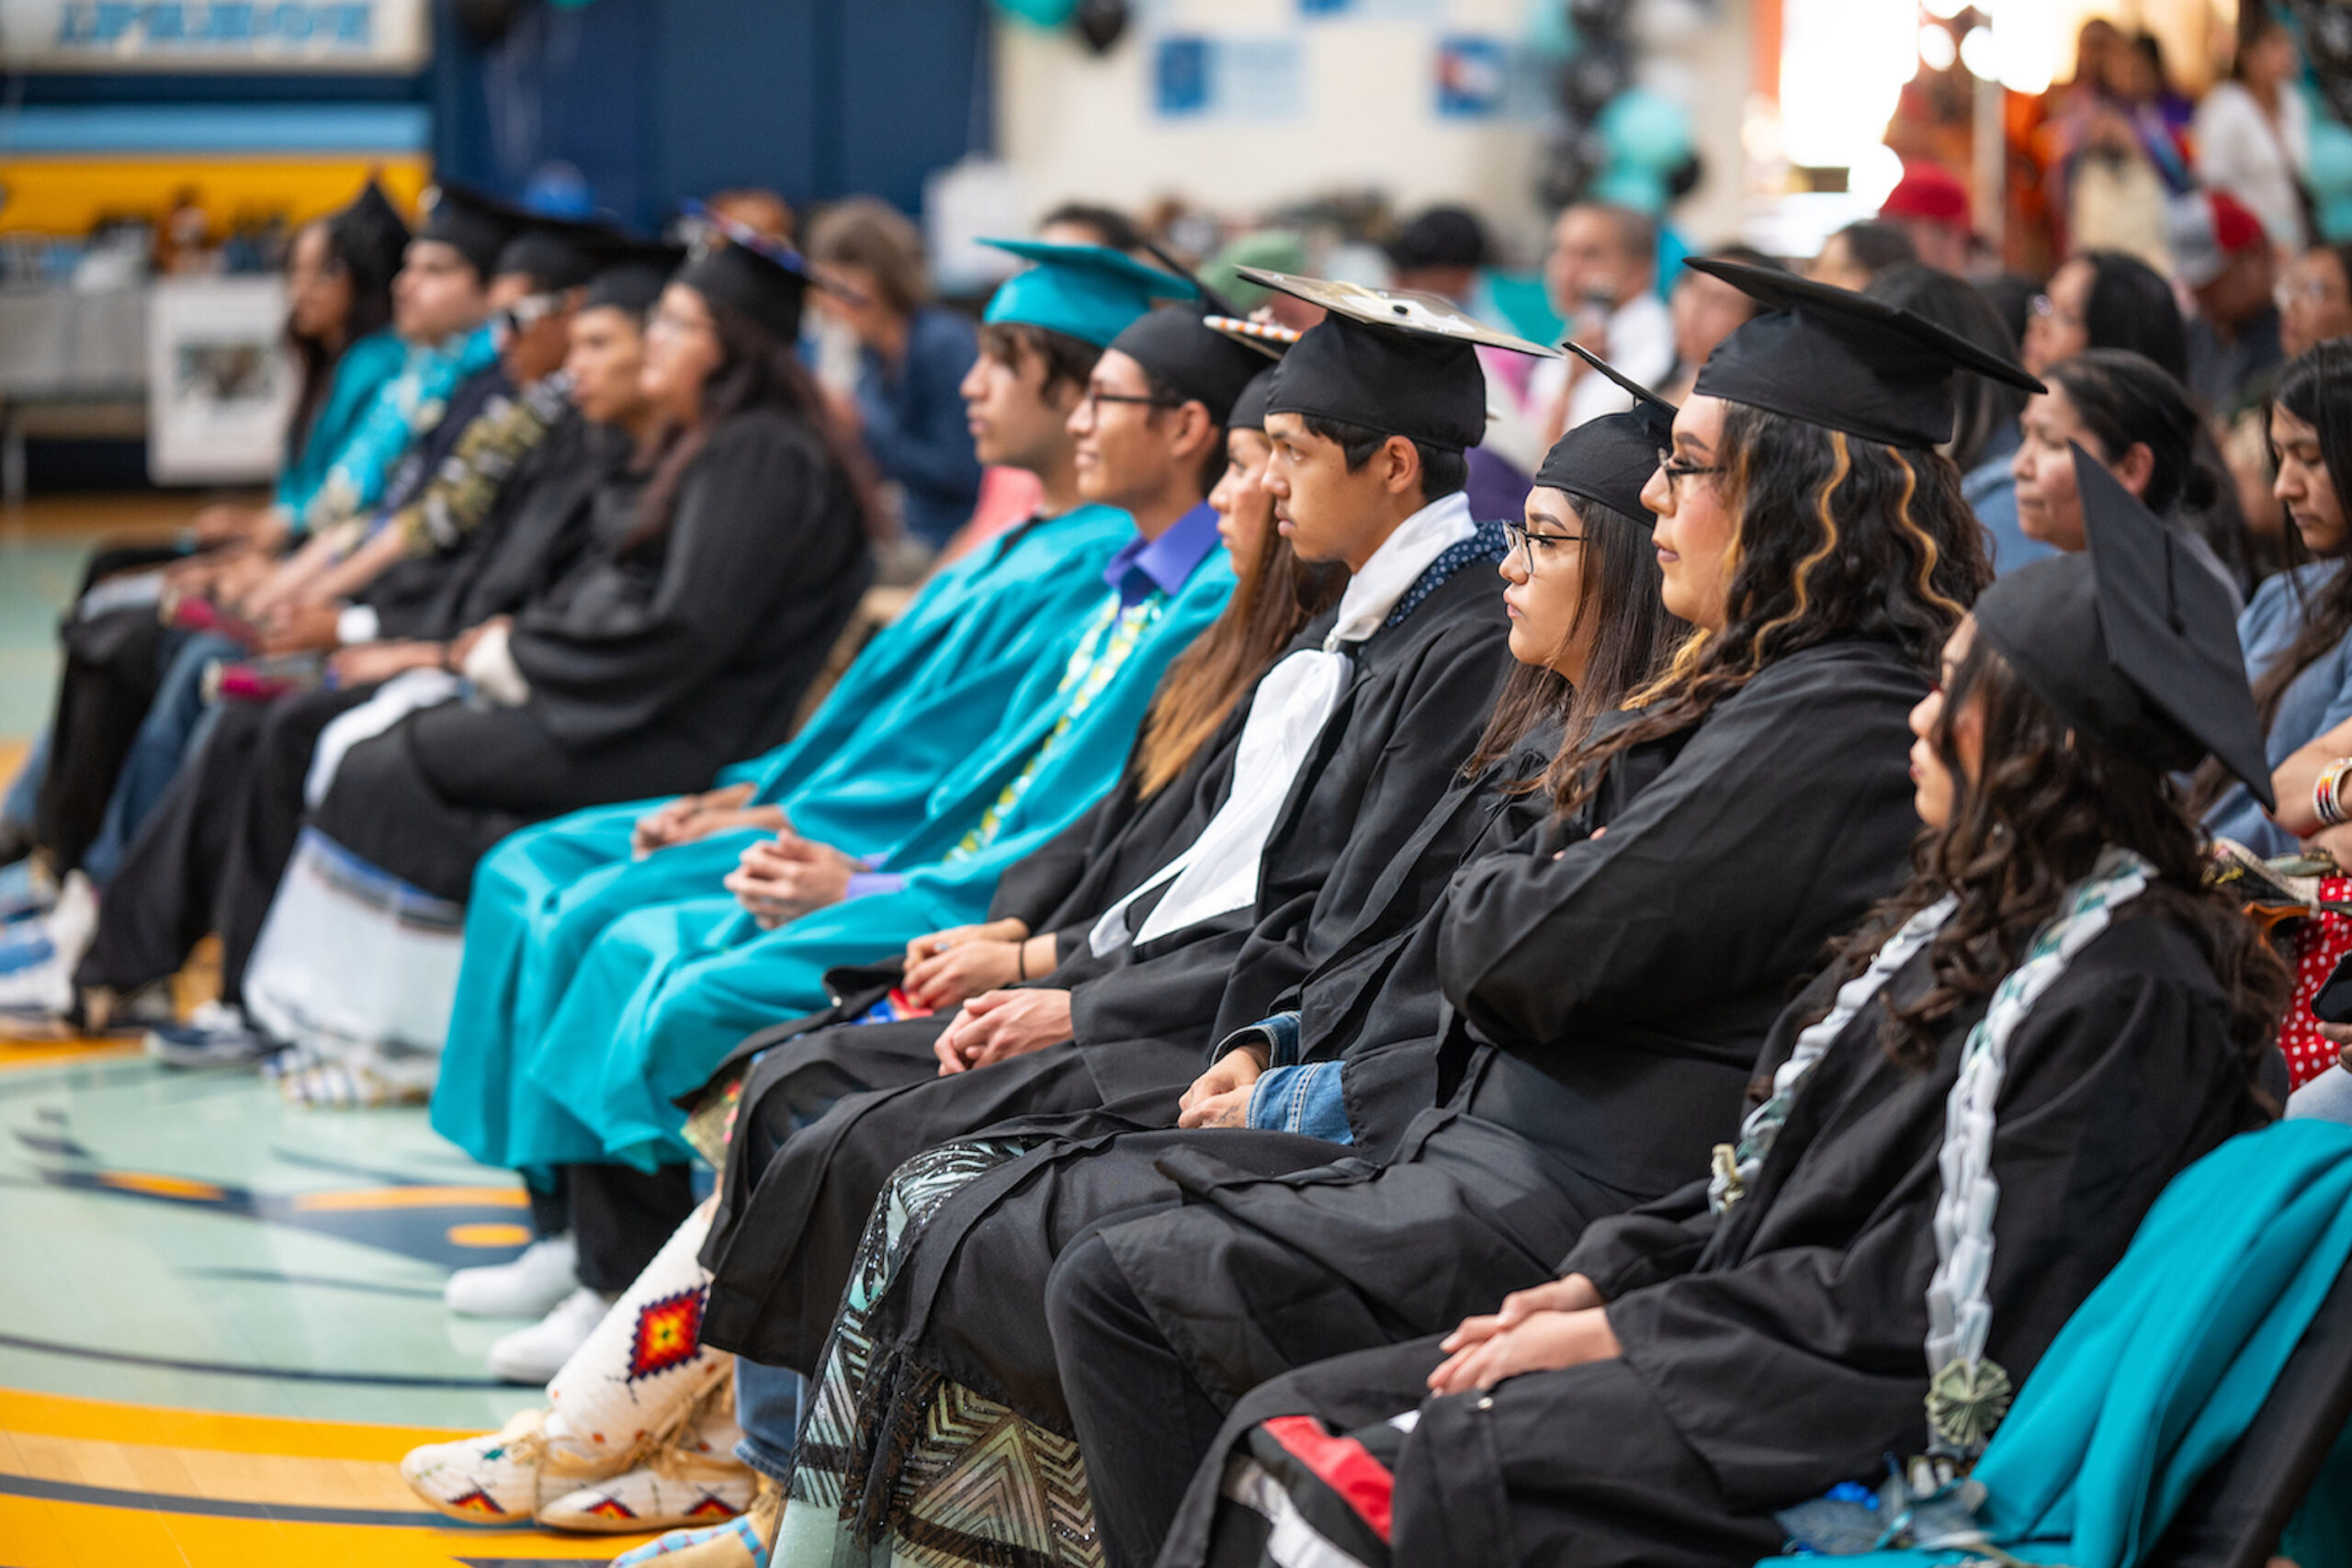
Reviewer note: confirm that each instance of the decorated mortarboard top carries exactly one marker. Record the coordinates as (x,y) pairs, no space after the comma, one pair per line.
(371,233)
(1176,344)
(1832,357)
(559,253)
(476,223)
(1390,360)
(2134,643)
(1090,292)
(1269,338)
(1608,459)
(763,279)
(631,274)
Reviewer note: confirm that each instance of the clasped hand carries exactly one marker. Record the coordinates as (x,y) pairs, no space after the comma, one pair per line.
(1001,1024)
(1546,1329)
(780,879)
(946,968)
(1220,1096)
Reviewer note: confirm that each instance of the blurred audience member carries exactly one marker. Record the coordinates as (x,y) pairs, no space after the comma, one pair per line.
(912,354)
(1859,251)
(2106,299)
(2221,253)
(1705,311)
(1081,223)
(1276,250)
(2253,131)
(1444,252)
(1985,413)
(2315,298)
(1930,204)
(763,212)
(1603,277)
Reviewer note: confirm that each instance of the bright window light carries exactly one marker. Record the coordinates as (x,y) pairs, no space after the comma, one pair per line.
(1937,47)
(1843,65)
(1976,53)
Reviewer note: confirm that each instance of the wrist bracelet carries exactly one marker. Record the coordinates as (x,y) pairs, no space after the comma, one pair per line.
(1021,958)
(2327,797)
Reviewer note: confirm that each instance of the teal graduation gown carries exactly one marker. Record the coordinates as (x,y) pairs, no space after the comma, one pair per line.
(926,694)
(665,993)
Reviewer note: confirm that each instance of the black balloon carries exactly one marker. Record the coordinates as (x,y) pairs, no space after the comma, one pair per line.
(1598,73)
(1597,18)
(1686,176)
(1569,166)
(1101,23)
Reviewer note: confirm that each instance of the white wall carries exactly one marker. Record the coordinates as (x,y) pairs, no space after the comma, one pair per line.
(1075,127)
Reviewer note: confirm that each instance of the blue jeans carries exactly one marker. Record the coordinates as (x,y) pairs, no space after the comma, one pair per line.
(767,1406)
(172,729)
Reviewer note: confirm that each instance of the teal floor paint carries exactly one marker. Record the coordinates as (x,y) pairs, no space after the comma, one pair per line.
(37,582)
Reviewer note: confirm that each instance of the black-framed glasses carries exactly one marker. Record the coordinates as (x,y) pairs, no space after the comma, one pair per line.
(1676,470)
(1095,396)
(530,310)
(1520,539)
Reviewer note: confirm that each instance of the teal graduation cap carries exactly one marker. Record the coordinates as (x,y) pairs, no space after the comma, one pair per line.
(1089,292)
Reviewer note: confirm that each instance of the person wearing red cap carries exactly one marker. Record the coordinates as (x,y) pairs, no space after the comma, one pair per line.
(2223,254)
(1931,205)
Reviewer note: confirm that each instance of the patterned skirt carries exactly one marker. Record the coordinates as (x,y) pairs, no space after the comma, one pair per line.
(897,1463)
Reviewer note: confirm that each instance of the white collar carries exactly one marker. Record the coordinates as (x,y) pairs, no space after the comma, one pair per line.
(1397,564)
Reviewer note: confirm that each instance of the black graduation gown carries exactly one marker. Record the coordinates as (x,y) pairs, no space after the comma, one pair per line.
(966,1302)
(1773,1352)
(1145,1014)
(210,857)
(648,670)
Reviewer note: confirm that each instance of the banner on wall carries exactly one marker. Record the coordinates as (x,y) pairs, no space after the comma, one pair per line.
(391,36)
(219,385)
(1203,77)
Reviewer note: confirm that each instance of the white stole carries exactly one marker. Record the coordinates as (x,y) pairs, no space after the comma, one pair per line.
(1218,871)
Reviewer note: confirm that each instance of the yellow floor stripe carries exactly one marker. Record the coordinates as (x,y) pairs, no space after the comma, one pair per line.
(60,1415)
(47,1052)
(40,1534)
(414,1198)
(296,1480)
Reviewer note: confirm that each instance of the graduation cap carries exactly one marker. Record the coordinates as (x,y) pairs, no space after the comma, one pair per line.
(631,274)
(370,234)
(478,223)
(1270,338)
(1090,292)
(1176,344)
(2135,644)
(751,274)
(558,252)
(1610,458)
(1396,361)
(1832,357)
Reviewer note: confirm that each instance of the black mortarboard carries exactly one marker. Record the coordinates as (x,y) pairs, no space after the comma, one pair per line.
(751,274)
(1249,408)
(1610,457)
(631,276)
(370,234)
(1175,343)
(1832,357)
(478,223)
(557,252)
(1394,361)
(2135,644)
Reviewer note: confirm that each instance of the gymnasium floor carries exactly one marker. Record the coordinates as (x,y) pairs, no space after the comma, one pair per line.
(220,1316)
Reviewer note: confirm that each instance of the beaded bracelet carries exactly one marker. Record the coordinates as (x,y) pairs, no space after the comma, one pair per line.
(2327,797)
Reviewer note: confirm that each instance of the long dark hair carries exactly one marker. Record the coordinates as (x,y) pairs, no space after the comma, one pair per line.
(2316,387)
(756,370)
(1619,583)
(1982,406)
(2048,798)
(2125,400)
(1837,536)
(2130,305)
(1277,594)
(314,358)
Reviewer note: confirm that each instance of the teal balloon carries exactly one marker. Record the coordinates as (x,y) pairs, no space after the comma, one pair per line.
(1550,36)
(1646,130)
(1039,13)
(2336,218)
(2329,170)
(1627,185)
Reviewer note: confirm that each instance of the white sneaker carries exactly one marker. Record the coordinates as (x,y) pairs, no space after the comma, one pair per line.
(536,1354)
(215,1035)
(43,982)
(527,1286)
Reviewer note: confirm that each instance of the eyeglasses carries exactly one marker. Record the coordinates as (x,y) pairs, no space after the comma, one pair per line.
(668,321)
(530,310)
(2047,309)
(2310,291)
(1522,539)
(1095,396)
(1675,469)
